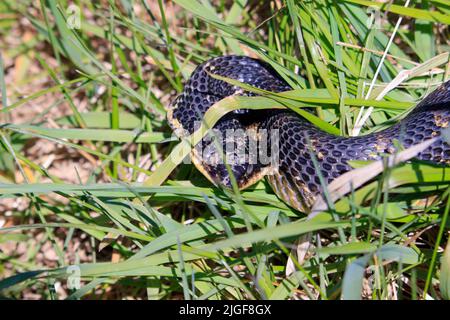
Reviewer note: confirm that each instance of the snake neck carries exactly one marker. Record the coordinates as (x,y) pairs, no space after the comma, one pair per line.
(201,90)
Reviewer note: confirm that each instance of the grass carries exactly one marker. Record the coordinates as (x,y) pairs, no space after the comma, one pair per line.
(151,226)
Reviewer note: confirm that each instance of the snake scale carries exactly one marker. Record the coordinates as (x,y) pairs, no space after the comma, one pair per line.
(294,179)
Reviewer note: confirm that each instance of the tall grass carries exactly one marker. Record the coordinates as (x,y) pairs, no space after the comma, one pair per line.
(171,233)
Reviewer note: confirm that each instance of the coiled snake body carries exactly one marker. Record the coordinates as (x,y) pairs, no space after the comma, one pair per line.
(294,179)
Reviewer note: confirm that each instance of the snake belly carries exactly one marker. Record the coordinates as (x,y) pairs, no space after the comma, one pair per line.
(294,178)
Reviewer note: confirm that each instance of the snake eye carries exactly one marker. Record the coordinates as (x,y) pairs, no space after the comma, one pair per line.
(241,111)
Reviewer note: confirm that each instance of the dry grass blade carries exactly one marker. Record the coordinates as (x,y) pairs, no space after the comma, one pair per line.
(426,68)
(299,251)
(445,273)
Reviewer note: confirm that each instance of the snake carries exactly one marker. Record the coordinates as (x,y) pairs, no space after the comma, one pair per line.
(308,158)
